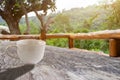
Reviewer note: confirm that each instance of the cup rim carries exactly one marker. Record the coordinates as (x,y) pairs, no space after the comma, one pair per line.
(40,41)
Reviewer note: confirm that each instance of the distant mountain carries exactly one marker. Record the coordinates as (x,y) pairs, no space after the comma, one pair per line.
(82,15)
(31,19)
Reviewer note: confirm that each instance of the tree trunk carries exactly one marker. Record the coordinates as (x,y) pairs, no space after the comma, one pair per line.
(27,24)
(13,24)
(26,19)
(43,34)
(43,27)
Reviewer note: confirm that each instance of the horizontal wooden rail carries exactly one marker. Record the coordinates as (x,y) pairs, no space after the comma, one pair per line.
(17,37)
(107,34)
(48,36)
(88,36)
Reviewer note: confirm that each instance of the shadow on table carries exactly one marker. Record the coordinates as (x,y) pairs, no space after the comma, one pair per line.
(13,73)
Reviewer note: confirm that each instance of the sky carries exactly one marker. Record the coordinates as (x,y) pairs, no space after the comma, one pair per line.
(68,4)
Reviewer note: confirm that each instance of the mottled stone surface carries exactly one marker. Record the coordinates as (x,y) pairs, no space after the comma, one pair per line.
(58,64)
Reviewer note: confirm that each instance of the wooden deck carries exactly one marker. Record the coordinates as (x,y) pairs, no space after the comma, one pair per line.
(59,64)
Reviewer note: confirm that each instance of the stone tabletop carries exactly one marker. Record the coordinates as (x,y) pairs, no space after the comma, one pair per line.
(58,64)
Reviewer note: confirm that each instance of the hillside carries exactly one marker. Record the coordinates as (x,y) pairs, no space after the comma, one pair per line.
(92,18)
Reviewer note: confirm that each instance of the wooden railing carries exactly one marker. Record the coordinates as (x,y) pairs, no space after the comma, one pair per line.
(112,35)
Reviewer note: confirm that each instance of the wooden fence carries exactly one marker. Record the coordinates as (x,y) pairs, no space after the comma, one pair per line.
(112,35)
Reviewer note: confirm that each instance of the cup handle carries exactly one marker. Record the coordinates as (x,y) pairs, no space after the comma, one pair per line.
(9,54)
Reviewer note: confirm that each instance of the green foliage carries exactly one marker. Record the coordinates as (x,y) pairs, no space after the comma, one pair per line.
(83,30)
(57,42)
(33,30)
(96,45)
(61,24)
(88,22)
(113,20)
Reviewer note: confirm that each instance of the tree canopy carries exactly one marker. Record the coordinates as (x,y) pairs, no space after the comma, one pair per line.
(114,17)
(12,10)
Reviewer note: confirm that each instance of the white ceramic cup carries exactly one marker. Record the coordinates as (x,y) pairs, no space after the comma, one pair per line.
(30,51)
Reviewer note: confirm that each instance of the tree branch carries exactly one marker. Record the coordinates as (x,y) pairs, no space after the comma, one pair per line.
(41,19)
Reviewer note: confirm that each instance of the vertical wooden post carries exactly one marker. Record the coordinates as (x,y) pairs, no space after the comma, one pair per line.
(114,47)
(118,47)
(43,34)
(71,43)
